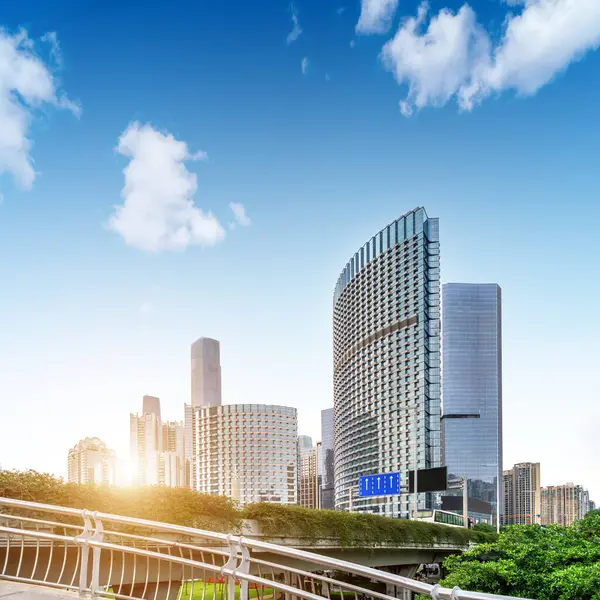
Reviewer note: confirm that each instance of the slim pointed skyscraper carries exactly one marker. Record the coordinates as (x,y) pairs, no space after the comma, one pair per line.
(205,355)
(206,372)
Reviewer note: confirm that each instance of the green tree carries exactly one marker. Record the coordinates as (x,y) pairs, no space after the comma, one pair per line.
(530,561)
(180,506)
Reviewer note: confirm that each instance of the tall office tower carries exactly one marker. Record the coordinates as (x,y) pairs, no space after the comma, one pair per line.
(522,497)
(173,444)
(151,406)
(326,460)
(305,444)
(146,444)
(206,391)
(472,390)
(90,461)
(246,451)
(206,372)
(308,477)
(386,354)
(564,504)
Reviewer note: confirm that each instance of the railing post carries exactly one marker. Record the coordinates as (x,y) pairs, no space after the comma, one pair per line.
(82,541)
(96,553)
(243,568)
(287,581)
(230,566)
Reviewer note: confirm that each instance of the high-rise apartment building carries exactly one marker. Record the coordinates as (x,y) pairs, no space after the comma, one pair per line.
(564,504)
(472,388)
(386,351)
(308,476)
(170,469)
(508,493)
(326,460)
(522,494)
(206,372)
(173,444)
(246,451)
(90,461)
(145,442)
(157,448)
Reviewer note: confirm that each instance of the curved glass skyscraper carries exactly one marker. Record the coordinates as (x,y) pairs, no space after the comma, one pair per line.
(386,341)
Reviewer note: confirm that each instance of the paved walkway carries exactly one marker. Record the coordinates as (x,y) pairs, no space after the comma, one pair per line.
(11,590)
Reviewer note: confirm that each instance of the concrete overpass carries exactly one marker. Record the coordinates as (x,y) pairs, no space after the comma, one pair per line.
(111,556)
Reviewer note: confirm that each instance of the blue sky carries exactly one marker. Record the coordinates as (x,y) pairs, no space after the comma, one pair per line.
(487,116)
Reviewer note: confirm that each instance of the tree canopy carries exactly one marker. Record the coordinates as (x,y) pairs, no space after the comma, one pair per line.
(530,561)
(180,506)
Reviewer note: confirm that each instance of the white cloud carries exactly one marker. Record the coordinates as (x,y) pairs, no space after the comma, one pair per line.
(239,212)
(296,29)
(27,83)
(352,43)
(437,63)
(52,39)
(341,10)
(158,211)
(146,308)
(376,16)
(304,65)
(455,57)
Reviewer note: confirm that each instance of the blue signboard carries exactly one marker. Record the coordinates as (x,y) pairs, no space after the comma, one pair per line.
(383,484)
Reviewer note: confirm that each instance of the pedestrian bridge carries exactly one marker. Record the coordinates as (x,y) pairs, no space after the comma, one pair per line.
(100,555)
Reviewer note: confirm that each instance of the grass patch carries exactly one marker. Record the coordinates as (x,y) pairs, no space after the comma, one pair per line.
(218,591)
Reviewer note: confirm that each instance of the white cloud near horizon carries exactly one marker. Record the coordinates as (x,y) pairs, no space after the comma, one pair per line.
(454,56)
(376,16)
(27,84)
(158,211)
(296,29)
(239,213)
(304,65)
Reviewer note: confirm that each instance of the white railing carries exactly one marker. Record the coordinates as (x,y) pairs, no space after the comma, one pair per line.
(111,556)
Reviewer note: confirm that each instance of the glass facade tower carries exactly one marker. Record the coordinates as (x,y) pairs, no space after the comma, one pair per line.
(326,468)
(386,354)
(472,387)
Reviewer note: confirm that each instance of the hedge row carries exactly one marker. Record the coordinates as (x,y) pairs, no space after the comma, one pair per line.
(183,506)
(354,529)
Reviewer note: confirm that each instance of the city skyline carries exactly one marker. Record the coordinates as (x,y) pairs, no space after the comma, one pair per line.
(174,444)
(312,166)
